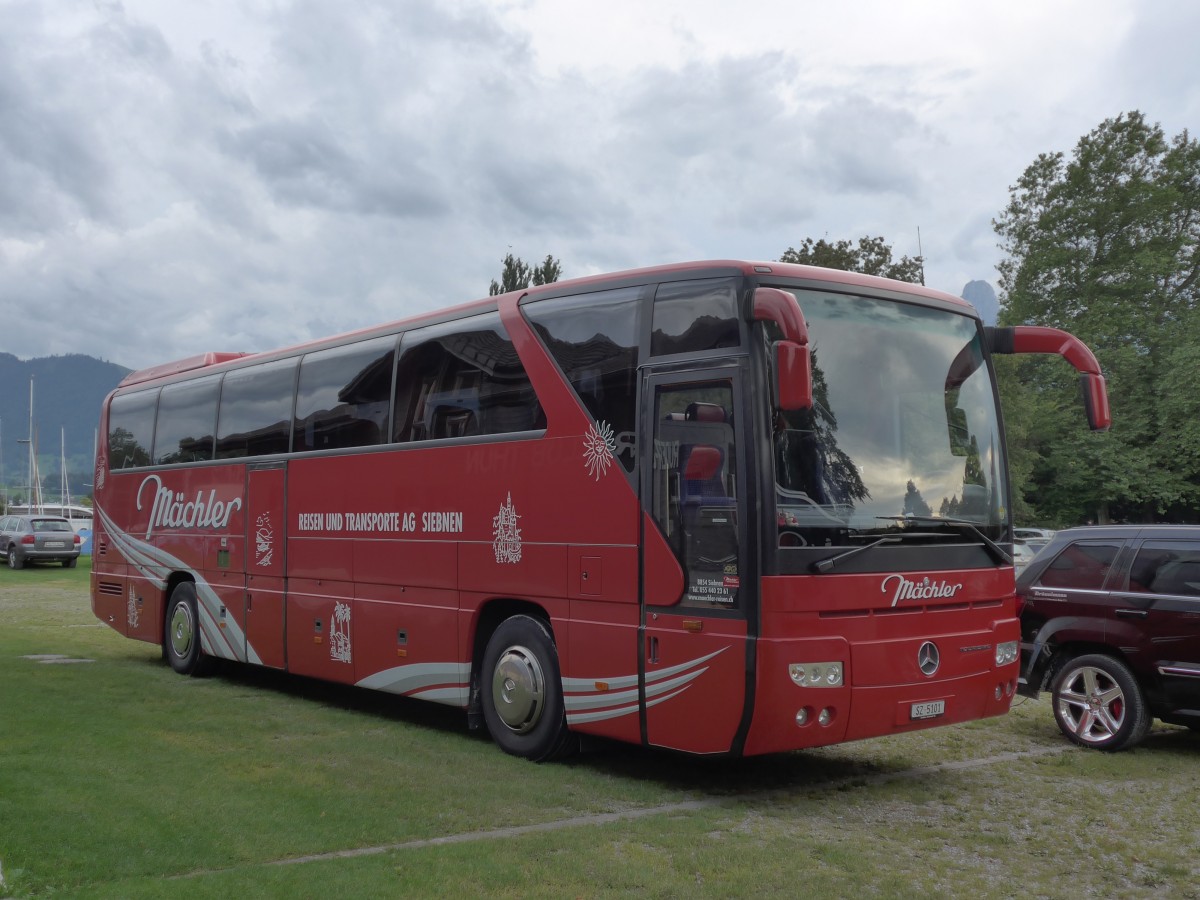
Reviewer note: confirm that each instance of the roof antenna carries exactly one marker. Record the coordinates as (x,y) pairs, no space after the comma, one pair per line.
(921,256)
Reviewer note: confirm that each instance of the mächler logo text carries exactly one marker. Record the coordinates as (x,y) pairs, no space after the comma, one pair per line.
(171,510)
(919,590)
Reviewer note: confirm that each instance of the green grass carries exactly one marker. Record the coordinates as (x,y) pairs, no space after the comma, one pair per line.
(119,778)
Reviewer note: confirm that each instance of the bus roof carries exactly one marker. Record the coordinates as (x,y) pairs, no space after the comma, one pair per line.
(698,269)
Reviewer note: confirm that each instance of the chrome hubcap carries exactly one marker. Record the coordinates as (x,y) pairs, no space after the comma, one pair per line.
(182,631)
(518,689)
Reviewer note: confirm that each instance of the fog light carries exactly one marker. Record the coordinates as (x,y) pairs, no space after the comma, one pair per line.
(999,691)
(802,716)
(826,716)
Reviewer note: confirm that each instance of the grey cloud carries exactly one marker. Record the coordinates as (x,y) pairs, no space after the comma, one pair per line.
(48,150)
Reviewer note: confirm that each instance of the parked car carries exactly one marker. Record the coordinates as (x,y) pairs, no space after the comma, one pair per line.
(1033,534)
(26,539)
(1023,555)
(1110,626)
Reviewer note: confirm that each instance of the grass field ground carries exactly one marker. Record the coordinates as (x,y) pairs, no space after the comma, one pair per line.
(119,778)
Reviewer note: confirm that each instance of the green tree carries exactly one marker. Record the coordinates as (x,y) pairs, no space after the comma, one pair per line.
(870,256)
(518,274)
(1104,245)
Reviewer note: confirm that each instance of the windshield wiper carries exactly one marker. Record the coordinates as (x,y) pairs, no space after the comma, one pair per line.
(821,566)
(995,551)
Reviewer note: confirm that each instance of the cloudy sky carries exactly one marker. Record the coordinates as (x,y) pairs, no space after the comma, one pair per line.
(246,174)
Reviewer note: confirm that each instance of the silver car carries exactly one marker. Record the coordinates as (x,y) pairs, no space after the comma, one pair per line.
(25,539)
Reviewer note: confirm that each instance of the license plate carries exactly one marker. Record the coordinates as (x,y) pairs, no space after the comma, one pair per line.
(930,710)
(54,545)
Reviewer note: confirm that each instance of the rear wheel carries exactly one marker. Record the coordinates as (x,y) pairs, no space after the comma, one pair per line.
(14,561)
(181,633)
(69,563)
(522,691)
(1098,704)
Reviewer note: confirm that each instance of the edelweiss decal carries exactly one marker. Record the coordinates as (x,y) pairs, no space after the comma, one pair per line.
(587,701)
(599,448)
(919,590)
(156,565)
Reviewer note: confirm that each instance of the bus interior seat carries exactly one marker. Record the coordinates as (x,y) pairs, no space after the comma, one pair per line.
(452,422)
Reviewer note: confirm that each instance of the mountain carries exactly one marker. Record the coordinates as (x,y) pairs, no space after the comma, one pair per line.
(67,393)
(981,296)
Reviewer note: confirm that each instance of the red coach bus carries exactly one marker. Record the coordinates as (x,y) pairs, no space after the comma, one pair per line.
(720,507)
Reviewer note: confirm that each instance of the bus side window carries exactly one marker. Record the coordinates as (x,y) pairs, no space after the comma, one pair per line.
(256,410)
(461,379)
(594,339)
(344,395)
(131,429)
(693,316)
(187,421)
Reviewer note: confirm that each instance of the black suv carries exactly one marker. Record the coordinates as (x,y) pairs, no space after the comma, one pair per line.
(1110,625)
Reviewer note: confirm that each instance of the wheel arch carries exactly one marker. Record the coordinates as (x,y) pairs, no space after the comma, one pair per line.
(1056,640)
(1071,648)
(163,598)
(488,618)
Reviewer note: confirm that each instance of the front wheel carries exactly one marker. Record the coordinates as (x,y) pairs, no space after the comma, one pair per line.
(1098,704)
(181,633)
(522,691)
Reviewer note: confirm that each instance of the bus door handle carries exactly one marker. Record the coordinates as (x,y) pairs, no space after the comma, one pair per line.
(652,649)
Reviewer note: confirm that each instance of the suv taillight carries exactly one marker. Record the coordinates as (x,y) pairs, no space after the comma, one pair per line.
(78,539)
(28,539)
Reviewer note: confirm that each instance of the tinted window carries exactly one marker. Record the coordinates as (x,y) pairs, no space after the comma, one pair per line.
(694,496)
(1167,568)
(462,379)
(187,418)
(131,429)
(344,396)
(1083,565)
(690,316)
(594,340)
(256,410)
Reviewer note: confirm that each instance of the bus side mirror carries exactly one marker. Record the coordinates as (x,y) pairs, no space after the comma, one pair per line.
(1095,401)
(1040,339)
(793,376)
(793,365)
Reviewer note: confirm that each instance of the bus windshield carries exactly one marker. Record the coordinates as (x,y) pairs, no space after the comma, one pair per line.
(903,434)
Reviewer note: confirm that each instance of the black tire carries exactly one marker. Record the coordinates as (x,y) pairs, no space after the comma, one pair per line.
(14,561)
(69,563)
(521,690)
(1098,704)
(181,633)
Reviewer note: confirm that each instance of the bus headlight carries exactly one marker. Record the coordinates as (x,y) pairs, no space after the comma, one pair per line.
(1006,652)
(818,674)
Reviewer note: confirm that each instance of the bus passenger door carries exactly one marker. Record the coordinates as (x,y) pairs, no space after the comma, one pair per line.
(694,493)
(266,509)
